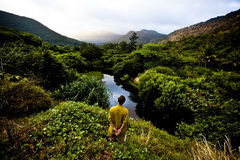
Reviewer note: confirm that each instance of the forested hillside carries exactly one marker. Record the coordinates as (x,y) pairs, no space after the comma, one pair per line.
(25,24)
(189,88)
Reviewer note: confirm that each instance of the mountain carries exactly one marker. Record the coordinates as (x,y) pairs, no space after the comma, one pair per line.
(145,36)
(25,24)
(228,22)
(100,37)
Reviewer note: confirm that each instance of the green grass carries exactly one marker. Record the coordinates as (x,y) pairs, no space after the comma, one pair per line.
(98,75)
(75,130)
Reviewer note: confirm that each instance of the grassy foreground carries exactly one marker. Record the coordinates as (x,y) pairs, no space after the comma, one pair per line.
(74,130)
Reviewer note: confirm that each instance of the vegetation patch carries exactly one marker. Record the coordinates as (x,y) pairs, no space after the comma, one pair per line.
(75,130)
(22,98)
(88,89)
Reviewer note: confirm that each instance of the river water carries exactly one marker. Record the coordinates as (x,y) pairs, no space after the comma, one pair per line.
(118,90)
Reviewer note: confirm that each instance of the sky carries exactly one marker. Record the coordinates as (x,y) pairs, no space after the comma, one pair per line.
(76,18)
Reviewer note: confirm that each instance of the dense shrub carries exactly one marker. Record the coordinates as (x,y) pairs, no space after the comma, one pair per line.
(214,121)
(88,89)
(28,61)
(164,95)
(197,106)
(22,98)
(74,60)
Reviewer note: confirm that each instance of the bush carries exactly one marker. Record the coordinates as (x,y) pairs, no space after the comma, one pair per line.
(22,98)
(88,89)
(27,61)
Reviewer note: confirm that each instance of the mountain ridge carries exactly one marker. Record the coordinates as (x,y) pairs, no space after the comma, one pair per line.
(213,25)
(145,36)
(25,24)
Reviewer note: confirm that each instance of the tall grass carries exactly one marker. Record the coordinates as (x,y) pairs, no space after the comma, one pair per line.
(205,150)
(88,89)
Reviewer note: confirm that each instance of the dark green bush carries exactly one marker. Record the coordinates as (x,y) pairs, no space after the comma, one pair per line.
(29,61)
(22,98)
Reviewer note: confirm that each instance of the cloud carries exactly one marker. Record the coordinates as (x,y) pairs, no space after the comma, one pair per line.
(73,17)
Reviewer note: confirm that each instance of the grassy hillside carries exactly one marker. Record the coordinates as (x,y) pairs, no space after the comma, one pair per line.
(25,24)
(74,130)
(78,131)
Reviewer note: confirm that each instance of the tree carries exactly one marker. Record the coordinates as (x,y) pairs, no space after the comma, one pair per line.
(133,42)
(92,52)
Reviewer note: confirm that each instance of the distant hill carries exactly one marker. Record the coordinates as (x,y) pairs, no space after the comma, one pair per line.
(228,22)
(100,37)
(25,24)
(145,36)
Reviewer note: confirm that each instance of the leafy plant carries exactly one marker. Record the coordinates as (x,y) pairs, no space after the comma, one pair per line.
(88,89)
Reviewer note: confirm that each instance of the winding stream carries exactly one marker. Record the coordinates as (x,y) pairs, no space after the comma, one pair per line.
(118,90)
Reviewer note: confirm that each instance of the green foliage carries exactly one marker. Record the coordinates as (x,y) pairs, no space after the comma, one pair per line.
(91,52)
(199,105)
(11,35)
(22,98)
(88,89)
(96,74)
(31,39)
(148,56)
(78,131)
(51,71)
(164,94)
(131,65)
(27,61)
(228,81)
(74,60)
(8,34)
(215,122)
(164,70)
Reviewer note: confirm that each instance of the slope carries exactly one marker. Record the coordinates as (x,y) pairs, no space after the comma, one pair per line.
(78,131)
(25,24)
(231,21)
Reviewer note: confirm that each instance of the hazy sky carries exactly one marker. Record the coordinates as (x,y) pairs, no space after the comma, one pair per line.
(75,17)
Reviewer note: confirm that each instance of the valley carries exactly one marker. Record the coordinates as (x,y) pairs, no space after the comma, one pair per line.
(55,104)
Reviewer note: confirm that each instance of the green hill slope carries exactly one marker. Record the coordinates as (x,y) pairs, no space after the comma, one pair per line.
(78,131)
(25,24)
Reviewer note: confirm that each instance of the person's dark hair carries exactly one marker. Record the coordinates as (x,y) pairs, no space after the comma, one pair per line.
(121,99)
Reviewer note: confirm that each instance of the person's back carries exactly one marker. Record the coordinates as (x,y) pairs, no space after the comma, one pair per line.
(118,118)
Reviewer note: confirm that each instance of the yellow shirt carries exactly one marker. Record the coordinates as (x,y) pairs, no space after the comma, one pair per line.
(118,115)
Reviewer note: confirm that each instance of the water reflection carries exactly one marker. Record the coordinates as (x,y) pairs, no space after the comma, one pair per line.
(118,90)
